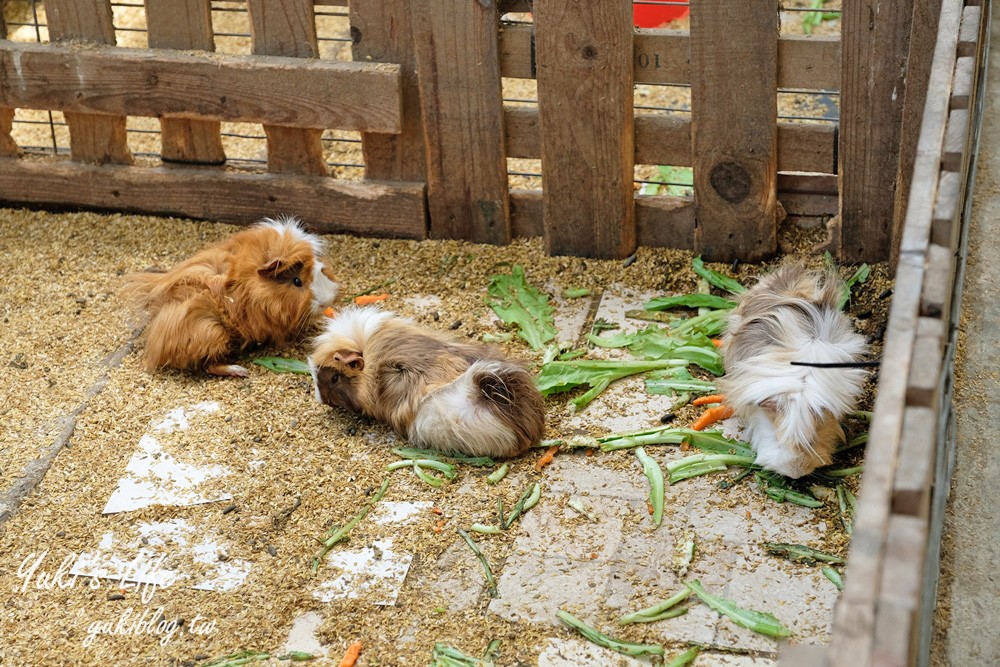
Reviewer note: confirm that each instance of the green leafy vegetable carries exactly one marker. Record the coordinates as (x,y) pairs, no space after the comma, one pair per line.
(846,504)
(445,656)
(337,534)
(575,292)
(714,277)
(801,553)
(236,659)
(283,365)
(491,582)
(498,474)
(776,487)
(602,639)
(833,576)
(654,613)
(560,376)
(685,658)
(516,302)
(758,621)
(677,380)
(689,301)
(655,476)
(297,656)
(435,455)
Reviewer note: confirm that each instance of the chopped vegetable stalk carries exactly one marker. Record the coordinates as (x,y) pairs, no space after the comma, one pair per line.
(498,474)
(516,302)
(684,554)
(528,500)
(559,376)
(235,659)
(447,469)
(339,534)
(491,582)
(446,656)
(433,454)
(297,656)
(483,528)
(655,476)
(494,338)
(801,553)
(575,292)
(719,459)
(685,658)
(577,505)
(779,491)
(283,365)
(601,639)
(833,576)
(843,472)
(689,301)
(722,282)
(643,615)
(846,504)
(426,477)
(758,621)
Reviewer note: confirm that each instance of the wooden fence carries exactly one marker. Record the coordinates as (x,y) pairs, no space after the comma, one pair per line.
(426,94)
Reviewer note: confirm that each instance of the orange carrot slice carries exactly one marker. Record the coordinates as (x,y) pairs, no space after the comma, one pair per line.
(705,400)
(716,342)
(546,458)
(712,415)
(439,526)
(330,312)
(366,299)
(351,657)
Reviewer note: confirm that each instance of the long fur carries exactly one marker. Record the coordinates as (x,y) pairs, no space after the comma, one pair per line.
(792,413)
(434,389)
(239,292)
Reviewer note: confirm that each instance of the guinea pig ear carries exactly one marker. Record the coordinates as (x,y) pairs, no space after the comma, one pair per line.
(271,269)
(352,360)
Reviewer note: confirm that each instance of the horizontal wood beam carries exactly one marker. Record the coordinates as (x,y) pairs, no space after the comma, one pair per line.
(326,205)
(666,139)
(810,62)
(295,92)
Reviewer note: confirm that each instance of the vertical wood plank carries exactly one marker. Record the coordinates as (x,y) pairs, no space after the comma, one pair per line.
(99,139)
(288,28)
(874,39)
(923,35)
(8,148)
(382,33)
(185,25)
(584,68)
(455,45)
(734,111)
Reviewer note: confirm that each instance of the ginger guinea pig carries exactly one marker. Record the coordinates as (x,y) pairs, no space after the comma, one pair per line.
(792,413)
(261,285)
(433,389)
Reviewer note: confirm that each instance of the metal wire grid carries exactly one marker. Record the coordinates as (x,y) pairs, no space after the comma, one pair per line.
(326,11)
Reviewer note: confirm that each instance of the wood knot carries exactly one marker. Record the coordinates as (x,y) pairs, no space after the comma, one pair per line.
(355,35)
(589,52)
(731,181)
(152,80)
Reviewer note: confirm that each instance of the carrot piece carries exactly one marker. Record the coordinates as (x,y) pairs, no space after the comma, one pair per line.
(437,510)
(351,656)
(366,299)
(705,400)
(716,342)
(546,458)
(439,526)
(649,506)
(330,312)
(712,415)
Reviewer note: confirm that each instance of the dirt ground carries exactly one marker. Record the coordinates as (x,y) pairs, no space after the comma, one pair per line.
(293,468)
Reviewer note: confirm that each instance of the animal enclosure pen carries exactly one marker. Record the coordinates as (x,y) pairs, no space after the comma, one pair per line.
(485,121)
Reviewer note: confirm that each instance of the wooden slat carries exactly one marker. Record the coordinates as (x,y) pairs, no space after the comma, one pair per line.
(935,301)
(925,366)
(325,204)
(962,87)
(872,91)
(956,138)
(916,231)
(853,642)
(8,147)
(660,221)
(661,56)
(462,107)
(968,36)
(586,117)
(911,489)
(899,598)
(923,34)
(382,33)
(288,28)
(185,25)
(666,139)
(734,118)
(945,224)
(92,139)
(143,82)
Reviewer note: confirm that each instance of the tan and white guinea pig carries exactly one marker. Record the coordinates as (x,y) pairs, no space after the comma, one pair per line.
(432,388)
(261,285)
(791,413)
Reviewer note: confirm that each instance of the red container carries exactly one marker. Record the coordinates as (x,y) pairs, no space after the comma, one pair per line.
(650,15)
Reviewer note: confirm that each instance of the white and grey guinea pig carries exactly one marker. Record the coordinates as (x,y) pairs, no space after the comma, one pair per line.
(434,389)
(791,413)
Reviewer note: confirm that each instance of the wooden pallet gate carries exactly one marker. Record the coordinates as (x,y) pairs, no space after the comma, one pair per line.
(426,94)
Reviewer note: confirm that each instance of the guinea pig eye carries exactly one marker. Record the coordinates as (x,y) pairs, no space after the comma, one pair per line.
(335,378)
(297,281)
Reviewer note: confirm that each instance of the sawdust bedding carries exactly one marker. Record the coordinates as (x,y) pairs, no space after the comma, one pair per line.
(296,467)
